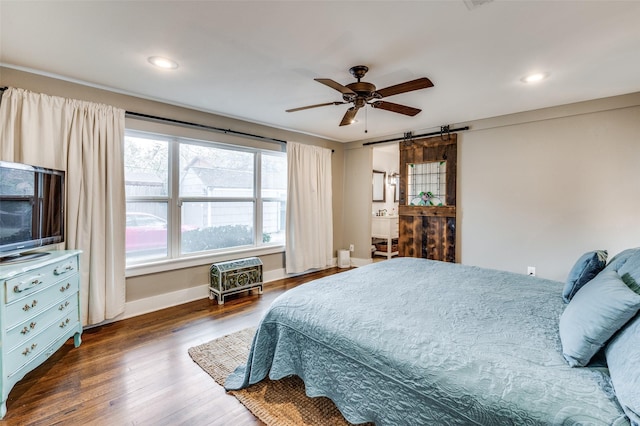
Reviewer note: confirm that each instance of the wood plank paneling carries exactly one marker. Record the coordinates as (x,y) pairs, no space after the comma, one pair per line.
(440,239)
(442,211)
(428,231)
(428,237)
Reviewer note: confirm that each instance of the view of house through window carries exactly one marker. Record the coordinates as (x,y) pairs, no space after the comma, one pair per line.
(186,197)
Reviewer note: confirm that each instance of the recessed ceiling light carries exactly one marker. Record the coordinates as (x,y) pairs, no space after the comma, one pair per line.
(534,78)
(161,62)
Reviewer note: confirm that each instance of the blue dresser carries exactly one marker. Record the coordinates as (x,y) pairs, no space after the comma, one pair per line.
(40,310)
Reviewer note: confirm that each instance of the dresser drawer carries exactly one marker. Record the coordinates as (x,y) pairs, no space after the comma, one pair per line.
(33,346)
(27,283)
(39,312)
(39,300)
(21,333)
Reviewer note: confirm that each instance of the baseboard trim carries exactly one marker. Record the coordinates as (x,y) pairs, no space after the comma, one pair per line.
(174,298)
(162,301)
(356,262)
(138,307)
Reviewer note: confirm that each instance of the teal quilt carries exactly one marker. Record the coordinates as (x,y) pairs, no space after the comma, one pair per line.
(418,342)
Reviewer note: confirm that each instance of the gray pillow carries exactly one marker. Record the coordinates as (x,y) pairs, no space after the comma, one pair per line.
(623,359)
(594,314)
(584,270)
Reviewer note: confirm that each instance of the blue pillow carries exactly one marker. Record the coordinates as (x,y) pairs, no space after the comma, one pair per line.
(596,312)
(587,267)
(623,359)
(621,258)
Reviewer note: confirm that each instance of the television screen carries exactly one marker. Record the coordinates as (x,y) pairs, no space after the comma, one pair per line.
(32,201)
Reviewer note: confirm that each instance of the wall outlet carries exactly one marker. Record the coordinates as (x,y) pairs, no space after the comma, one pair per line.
(531,270)
(351,248)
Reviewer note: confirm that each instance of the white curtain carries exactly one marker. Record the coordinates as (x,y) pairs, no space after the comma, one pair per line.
(85,140)
(309,208)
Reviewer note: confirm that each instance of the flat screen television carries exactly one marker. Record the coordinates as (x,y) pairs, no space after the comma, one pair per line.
(32,203)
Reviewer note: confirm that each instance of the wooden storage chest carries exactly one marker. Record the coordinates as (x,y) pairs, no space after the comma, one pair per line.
(234,276)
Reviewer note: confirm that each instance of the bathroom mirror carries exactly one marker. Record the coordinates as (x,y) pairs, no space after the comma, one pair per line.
(378,181)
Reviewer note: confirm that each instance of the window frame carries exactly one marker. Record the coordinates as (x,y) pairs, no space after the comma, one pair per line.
(175,259)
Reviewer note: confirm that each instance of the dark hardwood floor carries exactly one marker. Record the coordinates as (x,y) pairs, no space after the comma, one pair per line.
(138,372)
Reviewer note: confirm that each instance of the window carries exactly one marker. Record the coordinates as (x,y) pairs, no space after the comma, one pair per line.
(187,197)
(427,183)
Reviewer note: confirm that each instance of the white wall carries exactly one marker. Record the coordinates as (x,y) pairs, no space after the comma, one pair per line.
(541,193)
(357,203)
(540,188)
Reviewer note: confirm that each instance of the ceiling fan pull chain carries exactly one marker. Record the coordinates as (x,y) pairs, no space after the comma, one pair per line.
(366,121)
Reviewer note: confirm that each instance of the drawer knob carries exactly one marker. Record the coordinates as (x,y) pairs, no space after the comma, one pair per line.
(63,324)
(26,329)
(65,287)
(27,306)
(63,306)
(27,351)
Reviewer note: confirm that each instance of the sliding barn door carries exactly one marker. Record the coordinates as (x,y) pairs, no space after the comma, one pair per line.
(427,207)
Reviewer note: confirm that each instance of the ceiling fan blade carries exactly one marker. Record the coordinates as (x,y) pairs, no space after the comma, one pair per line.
(420,83)
(314,106)
(400,109)
(349,116)
(337,86)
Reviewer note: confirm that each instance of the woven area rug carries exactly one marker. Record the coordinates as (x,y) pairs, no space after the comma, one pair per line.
(275,402)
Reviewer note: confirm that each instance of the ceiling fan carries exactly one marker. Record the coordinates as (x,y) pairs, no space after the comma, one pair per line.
(362,93)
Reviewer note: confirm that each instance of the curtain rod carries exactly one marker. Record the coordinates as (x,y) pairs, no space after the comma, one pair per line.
(443,130)
(202,126)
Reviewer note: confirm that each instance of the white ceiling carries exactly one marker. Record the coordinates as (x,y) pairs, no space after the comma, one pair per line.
(254,60)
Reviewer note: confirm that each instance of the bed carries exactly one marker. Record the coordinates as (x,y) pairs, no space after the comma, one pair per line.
(420,342)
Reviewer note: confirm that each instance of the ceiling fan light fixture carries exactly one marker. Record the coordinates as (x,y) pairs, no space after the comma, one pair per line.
(535,77)
(361,93)
(161,62)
